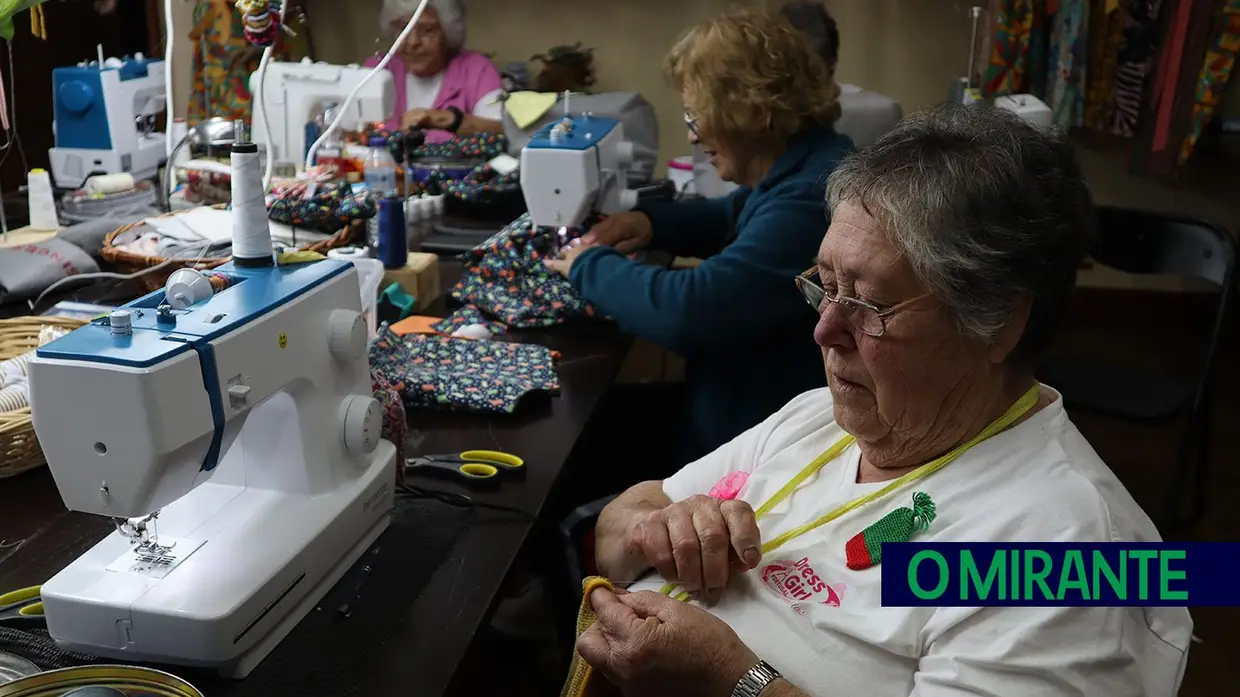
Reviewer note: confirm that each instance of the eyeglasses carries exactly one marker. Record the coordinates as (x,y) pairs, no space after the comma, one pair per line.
(691,123)
(867,318)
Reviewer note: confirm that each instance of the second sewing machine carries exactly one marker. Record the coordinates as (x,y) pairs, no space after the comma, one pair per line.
(105,114)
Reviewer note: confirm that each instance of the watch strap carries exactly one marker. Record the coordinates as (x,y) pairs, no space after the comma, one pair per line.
(755,680)
(457,117)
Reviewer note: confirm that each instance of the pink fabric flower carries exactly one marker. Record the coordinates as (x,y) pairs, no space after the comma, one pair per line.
(730,486)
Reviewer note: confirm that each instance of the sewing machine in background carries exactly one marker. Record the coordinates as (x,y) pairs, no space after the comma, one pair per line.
(294,93)
(105,115)
(577,167)
(236,445)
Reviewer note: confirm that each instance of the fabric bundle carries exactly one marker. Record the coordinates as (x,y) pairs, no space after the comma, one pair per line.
(433,371)
(326,208)
(506,279)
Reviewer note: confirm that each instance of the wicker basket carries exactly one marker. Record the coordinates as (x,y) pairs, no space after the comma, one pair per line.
(127,262)
(19,449)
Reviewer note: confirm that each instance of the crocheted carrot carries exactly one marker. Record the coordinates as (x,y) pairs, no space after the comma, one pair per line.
(865,549)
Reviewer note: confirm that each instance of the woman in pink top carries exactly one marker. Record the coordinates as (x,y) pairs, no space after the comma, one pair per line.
(440,85)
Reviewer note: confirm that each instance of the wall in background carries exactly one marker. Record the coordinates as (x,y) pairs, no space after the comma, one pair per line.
(909,49)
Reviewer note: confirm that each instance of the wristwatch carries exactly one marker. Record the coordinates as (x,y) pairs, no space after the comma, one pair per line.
(755,680)
(457,117)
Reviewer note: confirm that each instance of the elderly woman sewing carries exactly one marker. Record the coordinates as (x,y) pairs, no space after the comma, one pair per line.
(762,103)
(440,85)
(948,264)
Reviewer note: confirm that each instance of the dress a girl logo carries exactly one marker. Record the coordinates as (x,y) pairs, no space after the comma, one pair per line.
(799,585)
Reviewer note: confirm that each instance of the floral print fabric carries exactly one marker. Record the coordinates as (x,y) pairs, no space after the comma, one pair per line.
(432,371)
(506,278)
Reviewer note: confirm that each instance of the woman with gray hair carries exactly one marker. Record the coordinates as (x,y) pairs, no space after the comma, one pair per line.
(441,86)
(948,264)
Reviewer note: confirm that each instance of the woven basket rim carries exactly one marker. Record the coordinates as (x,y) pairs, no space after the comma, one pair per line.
(119,256)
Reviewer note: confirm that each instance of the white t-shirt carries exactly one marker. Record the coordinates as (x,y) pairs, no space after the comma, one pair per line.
(822,626)
(420,92)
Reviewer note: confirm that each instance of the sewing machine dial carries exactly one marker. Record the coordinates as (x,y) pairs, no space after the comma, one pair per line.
(346,335)
(363,424)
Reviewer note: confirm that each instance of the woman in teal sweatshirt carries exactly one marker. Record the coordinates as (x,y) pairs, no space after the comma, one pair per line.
(761,103)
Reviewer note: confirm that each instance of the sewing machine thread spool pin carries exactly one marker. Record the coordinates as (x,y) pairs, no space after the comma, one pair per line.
(121,322)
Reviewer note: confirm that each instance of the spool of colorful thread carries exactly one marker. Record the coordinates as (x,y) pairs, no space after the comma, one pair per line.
(219,281)
(393,239)
(261,19)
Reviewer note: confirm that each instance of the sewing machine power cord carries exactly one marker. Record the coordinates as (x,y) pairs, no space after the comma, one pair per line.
(460,500)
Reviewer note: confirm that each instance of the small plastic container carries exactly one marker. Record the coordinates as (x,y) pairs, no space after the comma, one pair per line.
(680,171)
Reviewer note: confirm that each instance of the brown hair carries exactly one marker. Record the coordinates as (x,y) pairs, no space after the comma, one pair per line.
(750,75)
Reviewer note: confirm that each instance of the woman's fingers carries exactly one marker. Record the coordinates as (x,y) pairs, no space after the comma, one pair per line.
(685,547)
(743,531)
(714,541)
(657,546)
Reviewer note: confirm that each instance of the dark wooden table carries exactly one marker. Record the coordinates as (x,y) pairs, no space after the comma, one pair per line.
(422,654)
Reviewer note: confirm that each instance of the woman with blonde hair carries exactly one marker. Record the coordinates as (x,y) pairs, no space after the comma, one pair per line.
(761,103)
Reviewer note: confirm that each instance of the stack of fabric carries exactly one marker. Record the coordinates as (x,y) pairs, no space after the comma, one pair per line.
(507,284)
(433,371)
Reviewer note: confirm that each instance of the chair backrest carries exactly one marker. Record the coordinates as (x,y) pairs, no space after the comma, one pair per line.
(1143,242)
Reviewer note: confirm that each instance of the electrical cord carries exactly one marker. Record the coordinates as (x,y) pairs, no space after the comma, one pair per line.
(460,500)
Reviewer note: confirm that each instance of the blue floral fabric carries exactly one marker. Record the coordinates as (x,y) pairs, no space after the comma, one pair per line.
(507,278)
(432,371)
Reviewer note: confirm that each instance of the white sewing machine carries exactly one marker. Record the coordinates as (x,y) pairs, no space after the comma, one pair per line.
(295,92)
(1028,107)
(105,119)
(236,445)
(575,167)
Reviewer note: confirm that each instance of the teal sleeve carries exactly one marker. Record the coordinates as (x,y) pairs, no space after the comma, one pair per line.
(699,228)
(739,292)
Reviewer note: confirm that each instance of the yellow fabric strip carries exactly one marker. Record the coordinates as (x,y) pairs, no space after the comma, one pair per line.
(1009,417)
(579,672)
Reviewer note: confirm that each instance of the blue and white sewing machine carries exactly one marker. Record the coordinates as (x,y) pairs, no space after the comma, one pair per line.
(105,120)
(236,445)
(574,168)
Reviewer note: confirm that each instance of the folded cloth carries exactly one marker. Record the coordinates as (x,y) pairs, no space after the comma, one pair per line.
(441,371)
(395,428)
(507,278)
(466,316)
(28,269)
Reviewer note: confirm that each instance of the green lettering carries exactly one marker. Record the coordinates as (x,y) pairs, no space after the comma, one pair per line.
(970,577)
(1037,576)
(1166,574)
(1072,576)
(1014,586)
(1143,557)
(1102,567)
(915,586)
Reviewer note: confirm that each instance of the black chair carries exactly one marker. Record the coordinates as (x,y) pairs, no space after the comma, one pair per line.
(1140,242)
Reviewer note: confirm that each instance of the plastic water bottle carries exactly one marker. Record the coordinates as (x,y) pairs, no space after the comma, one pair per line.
(381,180)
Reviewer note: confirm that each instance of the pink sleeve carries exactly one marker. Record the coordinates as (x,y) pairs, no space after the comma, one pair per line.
(372,61)
(488,80)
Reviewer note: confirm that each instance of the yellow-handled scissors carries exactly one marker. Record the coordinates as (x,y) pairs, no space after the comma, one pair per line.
(473,466)
(23,609)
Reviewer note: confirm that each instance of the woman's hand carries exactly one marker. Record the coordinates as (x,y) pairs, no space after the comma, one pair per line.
(698,543)
(427,118)
(564,264)
(627,232)
(649,644)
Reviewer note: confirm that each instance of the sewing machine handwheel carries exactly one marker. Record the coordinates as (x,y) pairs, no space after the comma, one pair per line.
(362,419)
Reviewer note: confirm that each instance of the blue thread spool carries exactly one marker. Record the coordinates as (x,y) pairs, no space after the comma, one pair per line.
(312,134)
(393,242)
